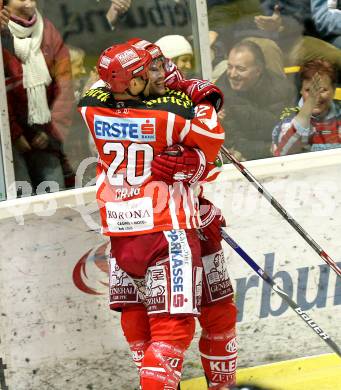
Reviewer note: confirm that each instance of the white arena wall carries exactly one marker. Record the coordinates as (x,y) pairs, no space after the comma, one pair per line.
(56,331)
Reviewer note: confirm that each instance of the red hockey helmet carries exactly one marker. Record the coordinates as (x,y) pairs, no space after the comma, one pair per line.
(153,49)
(119,64)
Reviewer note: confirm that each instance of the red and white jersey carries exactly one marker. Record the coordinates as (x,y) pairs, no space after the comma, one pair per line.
(128,134)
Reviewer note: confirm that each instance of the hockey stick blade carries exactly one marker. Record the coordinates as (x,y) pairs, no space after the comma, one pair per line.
(298,310)
(289,218)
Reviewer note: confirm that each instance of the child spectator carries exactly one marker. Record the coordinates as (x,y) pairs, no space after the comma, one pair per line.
(179,50)
(316,124)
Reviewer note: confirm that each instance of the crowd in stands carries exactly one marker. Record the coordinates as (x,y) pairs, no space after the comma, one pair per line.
(278,63)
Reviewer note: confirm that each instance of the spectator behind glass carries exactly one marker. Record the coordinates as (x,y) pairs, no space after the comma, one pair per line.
(179,50)
(77,147)
(254,97)
(292,21)
(77,57)
(233,21)
(4,16)
(315,125)
(327,17)
(116,10)
(6,38)
(40,97)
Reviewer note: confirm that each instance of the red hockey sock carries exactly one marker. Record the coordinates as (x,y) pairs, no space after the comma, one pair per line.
(135,326)
(163,359)
(217,345)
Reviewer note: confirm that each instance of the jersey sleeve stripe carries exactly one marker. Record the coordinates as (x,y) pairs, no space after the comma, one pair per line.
(186,207)
(193,207)
(100,180)
(211,122)
(185,130)
(83,112)
(206,133)
(172,208)
(170,127)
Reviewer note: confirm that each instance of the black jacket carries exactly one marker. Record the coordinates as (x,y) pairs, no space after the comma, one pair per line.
(251,115)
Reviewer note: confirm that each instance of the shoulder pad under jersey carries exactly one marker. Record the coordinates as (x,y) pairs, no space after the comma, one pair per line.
(103,97)
(97,97)
(173,101)
(289,112)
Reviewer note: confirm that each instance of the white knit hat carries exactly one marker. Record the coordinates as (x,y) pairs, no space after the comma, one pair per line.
(174,46)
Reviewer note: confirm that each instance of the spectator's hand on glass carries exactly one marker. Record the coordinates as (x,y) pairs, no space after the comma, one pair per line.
(117,7)
(236,153)
(40,141)
(22,145)
(311,93)
(271,23)
(222,114)
(122,6)
(4,16)
(93,77)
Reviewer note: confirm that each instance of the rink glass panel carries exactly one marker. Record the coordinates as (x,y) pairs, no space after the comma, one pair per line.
(86,32)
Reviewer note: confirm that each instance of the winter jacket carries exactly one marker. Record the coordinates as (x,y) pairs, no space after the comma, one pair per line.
(327,16)
(59,93)
(251,115)
(323,133)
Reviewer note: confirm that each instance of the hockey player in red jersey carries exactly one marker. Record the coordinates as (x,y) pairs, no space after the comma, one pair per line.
(217,344)
(151,224)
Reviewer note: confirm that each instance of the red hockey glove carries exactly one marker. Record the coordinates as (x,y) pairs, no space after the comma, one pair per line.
(172,74)
(212,220)
(179,163)
(200,91)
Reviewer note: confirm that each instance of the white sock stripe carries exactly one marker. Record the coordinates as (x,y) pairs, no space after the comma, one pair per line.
(230,357)
(153,369)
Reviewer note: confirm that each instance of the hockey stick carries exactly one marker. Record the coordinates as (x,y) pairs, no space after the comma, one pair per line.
(282,211)
(302,314)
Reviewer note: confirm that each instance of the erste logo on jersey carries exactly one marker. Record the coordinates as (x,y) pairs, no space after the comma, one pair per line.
(124,129)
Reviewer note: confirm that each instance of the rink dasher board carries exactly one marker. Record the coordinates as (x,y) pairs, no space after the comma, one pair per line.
(321,372)
(54,333)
